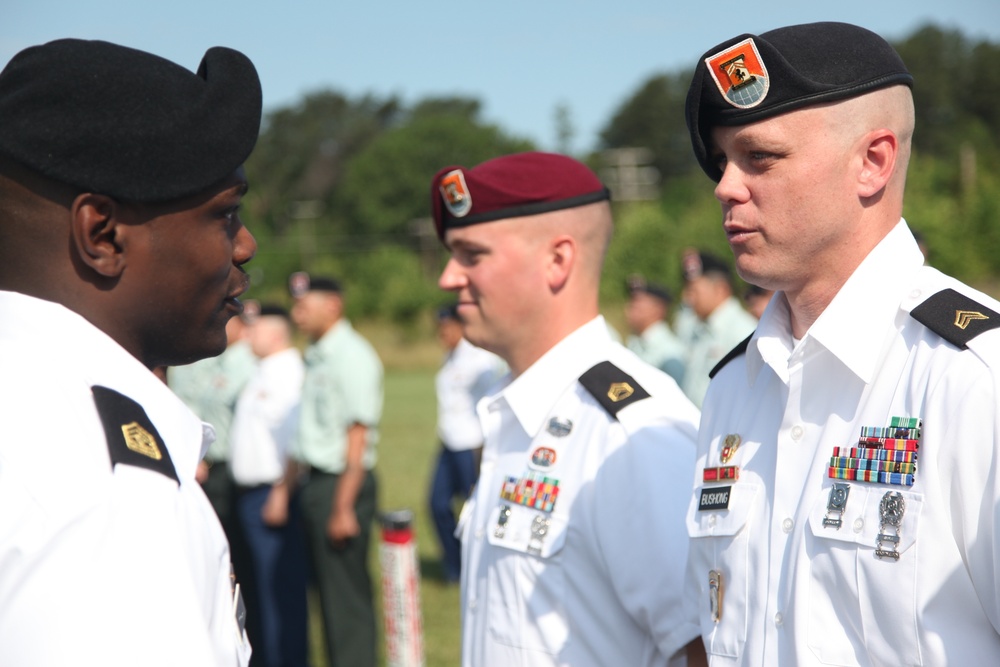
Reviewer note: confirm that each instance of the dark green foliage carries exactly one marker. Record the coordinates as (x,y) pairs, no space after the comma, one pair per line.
(387,186)
(654,118)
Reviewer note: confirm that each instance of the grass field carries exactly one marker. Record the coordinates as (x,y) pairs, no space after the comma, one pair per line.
(407,450)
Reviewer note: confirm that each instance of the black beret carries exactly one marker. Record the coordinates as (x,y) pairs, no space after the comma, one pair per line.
(697,264)
(636,283)
(446,313)
(274,310)
(511,186)
(125,123)
(300,282)
(753,77)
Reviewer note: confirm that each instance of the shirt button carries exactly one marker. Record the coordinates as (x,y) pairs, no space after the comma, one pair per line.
(859,525)
(472,604)
(797,432)
(479,533)
(787,525)
(712,519)
(915,294)
(778,618)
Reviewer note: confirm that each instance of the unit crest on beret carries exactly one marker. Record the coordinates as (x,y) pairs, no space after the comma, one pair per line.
(753,77)
(511,186)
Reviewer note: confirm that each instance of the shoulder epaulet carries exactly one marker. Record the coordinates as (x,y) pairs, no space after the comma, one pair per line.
(132,438)
(613,388)
(955,317)
(740,348)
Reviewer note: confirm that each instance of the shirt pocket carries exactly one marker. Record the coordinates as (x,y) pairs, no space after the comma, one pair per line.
(720,551)
(527,582)
(858,601)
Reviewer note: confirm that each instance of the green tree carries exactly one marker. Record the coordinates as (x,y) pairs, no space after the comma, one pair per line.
(653,118)
(387,186)
(303,151)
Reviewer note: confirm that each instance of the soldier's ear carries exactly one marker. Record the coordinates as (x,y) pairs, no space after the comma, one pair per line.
(878,162)
(96,234)
(562,256)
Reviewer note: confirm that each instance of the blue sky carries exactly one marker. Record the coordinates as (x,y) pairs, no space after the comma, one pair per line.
(521,59)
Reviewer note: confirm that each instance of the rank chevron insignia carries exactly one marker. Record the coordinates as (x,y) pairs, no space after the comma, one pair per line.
(964,317)
(956,317)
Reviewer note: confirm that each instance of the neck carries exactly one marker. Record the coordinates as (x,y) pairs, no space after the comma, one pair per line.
(534,348)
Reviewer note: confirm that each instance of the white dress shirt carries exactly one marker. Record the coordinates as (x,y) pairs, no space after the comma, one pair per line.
(804,584)
(466,375)
(597,579)
(118,566)
(266,420)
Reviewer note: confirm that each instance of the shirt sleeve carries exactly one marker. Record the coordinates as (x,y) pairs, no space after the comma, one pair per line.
(643,491)
(360,378)
(968,455)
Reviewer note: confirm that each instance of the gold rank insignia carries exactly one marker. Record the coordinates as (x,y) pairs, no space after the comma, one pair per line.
(956,317)
(140,440)
(612,387)
(132,436)
(964,317)
(619,391)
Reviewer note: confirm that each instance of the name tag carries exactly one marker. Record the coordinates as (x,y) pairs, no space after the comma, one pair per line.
(714,498)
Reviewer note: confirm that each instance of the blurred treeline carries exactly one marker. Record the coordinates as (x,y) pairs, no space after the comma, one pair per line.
(341,185)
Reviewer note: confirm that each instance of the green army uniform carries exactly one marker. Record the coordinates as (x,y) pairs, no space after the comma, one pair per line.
(710,340)
(658,346)
(210,388)
(342,387)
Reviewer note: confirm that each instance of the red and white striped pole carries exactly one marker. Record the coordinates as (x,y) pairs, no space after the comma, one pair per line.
(404,634)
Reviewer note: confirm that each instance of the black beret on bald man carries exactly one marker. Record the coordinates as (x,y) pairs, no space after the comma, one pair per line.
(753,77)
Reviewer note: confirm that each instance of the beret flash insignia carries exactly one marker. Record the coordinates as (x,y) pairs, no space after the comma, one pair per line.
(456,193)
(740,74)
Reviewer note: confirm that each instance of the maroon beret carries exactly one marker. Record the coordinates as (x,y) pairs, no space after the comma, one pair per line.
(512,186)
(752,77)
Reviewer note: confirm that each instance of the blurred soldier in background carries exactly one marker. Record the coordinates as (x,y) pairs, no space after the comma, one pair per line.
(721,322)
(466,375)
(263,430)
(210,388)
(341,407)
(650,337)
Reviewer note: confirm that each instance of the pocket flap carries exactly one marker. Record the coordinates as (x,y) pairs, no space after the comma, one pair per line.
(864,518)
(526,530)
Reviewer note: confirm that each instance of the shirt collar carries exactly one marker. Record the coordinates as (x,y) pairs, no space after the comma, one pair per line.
(868,302)
(531,394)
(331,339)
(81,350)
